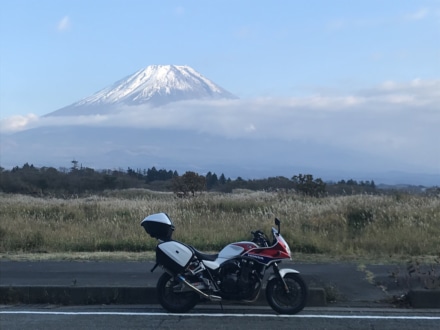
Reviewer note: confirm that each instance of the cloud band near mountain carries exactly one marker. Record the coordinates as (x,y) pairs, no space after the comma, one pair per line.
(396,120)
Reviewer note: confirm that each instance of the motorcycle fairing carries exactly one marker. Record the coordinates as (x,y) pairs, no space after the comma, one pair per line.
(266,255)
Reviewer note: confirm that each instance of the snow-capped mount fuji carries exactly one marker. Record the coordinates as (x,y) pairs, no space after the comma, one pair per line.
(154,86)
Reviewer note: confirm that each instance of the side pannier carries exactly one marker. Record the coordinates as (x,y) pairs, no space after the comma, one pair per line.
(174,256)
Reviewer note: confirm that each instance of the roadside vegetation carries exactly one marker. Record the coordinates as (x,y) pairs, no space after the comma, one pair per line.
(338,226)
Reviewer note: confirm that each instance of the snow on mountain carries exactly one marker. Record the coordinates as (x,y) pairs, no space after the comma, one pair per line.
(155,85)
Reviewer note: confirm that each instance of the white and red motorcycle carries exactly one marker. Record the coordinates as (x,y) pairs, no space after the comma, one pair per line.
(236,273)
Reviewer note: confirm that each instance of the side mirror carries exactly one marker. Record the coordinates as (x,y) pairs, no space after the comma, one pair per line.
(277,223)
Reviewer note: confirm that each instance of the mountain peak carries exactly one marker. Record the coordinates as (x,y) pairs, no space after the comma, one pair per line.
(154,85)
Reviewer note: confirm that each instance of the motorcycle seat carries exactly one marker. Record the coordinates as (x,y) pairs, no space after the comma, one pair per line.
(205,256)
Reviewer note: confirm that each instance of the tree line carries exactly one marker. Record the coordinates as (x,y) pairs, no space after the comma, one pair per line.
(79,180)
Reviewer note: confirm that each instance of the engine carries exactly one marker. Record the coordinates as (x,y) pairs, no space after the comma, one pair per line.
(239,279)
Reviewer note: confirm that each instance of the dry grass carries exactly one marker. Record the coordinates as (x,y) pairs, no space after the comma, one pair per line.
(345,227)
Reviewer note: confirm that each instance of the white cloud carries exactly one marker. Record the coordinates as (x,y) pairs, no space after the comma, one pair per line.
(17,123)
(250,128)
(377,21)
(64,24)
(397,120)
(417,15)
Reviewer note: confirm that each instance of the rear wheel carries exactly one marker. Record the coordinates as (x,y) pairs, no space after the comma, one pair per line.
(172,298)
(284,302)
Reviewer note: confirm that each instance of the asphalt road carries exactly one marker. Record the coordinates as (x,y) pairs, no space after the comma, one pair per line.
(79,282)
(153,317)
(361,295)
(348,282)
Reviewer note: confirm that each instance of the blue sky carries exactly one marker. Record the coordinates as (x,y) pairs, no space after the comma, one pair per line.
(359,75)
(54,53)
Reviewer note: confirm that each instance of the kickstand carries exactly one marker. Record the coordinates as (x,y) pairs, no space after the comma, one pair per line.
(221,305)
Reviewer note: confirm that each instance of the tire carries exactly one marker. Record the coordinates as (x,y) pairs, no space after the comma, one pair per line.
(174,302)
(287,303)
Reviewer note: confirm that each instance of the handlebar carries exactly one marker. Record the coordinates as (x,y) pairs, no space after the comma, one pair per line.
(260,238)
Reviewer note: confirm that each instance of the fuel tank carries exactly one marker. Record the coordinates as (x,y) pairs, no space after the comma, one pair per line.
(230,251)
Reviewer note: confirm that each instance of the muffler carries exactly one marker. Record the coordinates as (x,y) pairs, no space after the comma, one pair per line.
(207,296)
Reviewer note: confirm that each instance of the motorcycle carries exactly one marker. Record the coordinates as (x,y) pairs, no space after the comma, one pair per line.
(236,273)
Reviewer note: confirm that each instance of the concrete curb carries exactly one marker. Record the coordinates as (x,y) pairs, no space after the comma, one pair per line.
(61,295)
(424,298)
(73,295)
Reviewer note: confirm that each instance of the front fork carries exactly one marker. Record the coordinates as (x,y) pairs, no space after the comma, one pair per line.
(278,274)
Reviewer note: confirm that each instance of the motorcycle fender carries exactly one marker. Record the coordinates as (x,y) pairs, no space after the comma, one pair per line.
(283,272)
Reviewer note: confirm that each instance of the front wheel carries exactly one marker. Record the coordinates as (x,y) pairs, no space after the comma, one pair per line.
(173,296)
(284,302)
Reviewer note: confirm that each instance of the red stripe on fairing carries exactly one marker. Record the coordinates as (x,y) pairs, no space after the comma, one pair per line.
(246,245)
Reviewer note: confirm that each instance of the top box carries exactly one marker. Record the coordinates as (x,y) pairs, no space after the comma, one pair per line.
(158,226)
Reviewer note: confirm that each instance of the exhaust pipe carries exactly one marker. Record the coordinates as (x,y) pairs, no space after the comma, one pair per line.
(207,296)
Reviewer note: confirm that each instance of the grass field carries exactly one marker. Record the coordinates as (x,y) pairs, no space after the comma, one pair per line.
(361,226)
